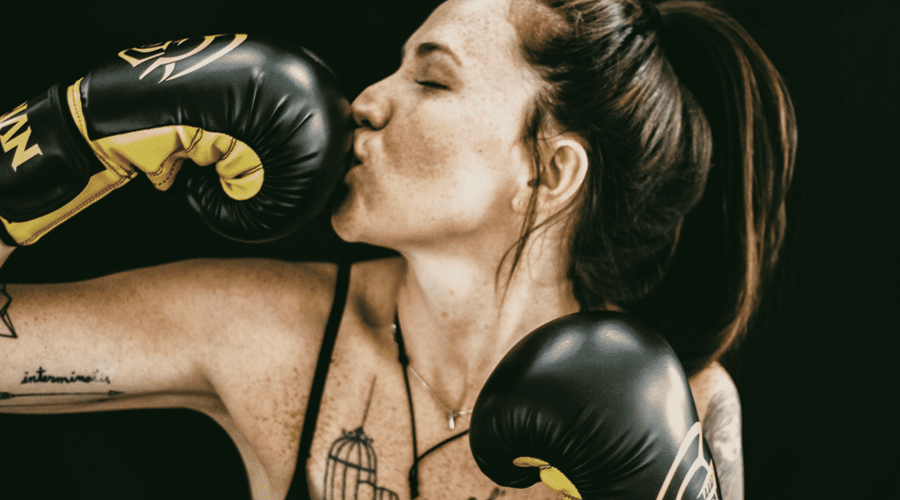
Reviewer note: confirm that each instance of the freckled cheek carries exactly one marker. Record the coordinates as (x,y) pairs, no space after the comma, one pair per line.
(438,150)
(422,152)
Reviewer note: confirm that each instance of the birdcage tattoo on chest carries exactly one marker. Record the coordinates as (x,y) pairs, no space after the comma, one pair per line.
(351,472)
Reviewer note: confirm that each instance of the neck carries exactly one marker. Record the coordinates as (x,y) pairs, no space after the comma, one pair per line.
(459,317)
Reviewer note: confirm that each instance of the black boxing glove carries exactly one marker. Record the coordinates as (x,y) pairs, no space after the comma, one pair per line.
(596,405)
(268,124)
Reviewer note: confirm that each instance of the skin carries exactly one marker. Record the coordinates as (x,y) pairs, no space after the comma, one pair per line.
(5,252)
(439,142)
(442,178)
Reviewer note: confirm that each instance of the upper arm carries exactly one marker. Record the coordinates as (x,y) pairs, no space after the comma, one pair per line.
(140,338)
(719,406)
(80,346)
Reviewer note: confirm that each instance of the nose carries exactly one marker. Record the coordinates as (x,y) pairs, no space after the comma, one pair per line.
(372,108)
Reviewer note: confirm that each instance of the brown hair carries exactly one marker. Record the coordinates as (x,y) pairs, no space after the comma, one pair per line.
(676,104)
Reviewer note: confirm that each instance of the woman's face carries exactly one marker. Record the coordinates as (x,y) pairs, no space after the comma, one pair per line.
(440,141)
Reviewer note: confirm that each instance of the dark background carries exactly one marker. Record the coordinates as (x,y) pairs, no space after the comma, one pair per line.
(817,375)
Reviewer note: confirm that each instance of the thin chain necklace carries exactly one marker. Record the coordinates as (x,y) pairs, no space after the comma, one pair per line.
(404,362)
(451,414)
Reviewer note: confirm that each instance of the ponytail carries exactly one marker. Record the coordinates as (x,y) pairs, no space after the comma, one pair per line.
(731,241)
(690,136)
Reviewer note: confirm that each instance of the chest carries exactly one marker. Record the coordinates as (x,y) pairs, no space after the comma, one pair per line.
(363,445)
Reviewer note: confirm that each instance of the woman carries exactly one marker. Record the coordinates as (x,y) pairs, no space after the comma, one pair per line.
(527,160)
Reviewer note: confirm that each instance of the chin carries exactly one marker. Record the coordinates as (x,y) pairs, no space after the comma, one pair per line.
(345,218)
(338,223)
(354,226)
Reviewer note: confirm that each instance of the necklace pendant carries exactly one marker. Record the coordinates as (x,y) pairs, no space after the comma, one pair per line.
(451,420)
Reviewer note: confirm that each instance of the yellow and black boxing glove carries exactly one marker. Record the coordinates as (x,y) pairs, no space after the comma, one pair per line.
(597,406)
(267,125)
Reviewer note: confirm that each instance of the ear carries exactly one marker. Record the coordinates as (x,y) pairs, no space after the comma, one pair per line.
(563,171)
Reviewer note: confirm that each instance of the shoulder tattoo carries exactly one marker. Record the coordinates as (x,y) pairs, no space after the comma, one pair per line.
(723,434)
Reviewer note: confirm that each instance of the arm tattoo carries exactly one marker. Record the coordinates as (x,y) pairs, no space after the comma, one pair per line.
(102,394)
(5,301)
(42,376)
(723,431)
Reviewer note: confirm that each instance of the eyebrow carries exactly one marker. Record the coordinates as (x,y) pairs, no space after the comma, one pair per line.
(427,48)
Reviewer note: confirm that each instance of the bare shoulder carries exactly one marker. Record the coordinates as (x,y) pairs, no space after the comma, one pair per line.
(263,366)
(263,322)
(252,322)
(719,406)
(258,274)
(261,292)
(709,383)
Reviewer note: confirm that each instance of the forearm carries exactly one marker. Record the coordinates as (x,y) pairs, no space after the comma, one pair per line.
(5,252)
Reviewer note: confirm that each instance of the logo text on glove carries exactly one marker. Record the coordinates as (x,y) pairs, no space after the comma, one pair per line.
(692,474)
(9,139)
(167,55)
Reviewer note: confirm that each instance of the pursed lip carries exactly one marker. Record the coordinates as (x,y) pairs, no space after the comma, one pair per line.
(352,159)
(356,156)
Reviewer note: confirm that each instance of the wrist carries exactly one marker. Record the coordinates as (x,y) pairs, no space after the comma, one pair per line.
(5,251)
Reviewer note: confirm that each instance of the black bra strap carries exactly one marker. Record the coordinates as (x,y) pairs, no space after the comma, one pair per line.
(299,489)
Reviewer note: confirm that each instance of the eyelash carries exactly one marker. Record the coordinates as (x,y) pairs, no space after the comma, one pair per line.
(431,85)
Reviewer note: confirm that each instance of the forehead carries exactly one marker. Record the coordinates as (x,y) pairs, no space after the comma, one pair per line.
(478,31)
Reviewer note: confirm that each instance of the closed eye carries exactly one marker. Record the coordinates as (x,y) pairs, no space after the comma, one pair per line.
(430,84)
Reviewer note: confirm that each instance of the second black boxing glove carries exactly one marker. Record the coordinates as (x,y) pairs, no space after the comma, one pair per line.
(596,405)
(268,123)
